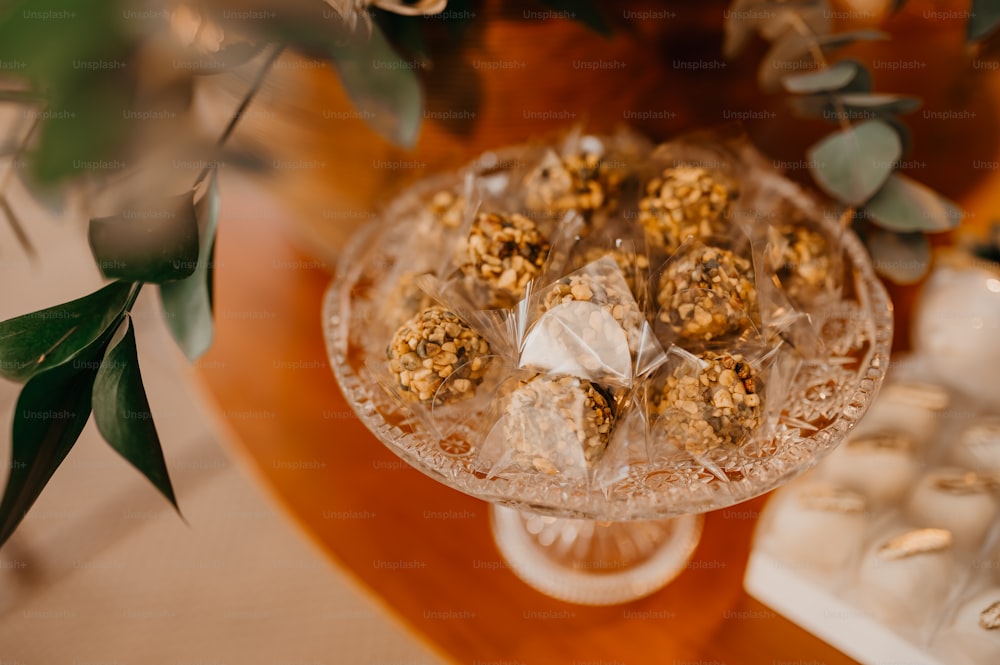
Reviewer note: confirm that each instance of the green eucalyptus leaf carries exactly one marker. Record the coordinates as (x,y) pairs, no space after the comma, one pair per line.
(904,205)
(852,164)
(902,257)
(834,77)
(188,303)
(38,341)
(148,243)
(862,81)
(880,103)
(983,19)
(51,411)
(583,11)
(123,416)
(382,85)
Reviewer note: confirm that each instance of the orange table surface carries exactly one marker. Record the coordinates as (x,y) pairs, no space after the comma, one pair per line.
(426,550)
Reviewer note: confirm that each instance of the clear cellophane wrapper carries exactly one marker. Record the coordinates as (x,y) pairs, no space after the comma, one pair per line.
(585,368)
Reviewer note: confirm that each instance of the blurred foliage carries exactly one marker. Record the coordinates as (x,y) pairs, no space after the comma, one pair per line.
(855,164)
(82,74)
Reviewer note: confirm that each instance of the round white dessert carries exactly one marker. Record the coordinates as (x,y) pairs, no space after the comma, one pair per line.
(817,524)
(978,446)
(880,466)
(909,407)
(955,499)
(955,326)
(905,576)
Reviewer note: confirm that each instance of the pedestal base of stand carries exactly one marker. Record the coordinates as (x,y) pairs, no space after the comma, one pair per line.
(594,563)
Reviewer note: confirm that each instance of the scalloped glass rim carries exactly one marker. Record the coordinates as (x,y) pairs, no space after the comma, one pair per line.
(647,491)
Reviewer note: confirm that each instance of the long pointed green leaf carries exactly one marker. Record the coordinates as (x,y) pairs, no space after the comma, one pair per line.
(188,303)
(52,410)
(149,243)
(382,85)
(38,341)
(123,416)
(853,164)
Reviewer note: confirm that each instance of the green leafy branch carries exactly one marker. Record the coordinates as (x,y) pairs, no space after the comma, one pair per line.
(857,164)
(81,356)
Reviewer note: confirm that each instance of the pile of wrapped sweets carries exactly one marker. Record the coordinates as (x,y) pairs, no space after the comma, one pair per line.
(599,280)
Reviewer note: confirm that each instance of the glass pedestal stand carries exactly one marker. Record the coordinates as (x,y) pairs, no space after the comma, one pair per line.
(636,550)
(594,563)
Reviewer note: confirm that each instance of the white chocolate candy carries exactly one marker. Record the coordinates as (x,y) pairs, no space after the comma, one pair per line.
(955,499)
(817,524)
(881,466)
(978,446)
(908,407)
(956,325)
(905,577)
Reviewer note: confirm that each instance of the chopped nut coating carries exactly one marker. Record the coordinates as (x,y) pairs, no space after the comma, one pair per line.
(433,346)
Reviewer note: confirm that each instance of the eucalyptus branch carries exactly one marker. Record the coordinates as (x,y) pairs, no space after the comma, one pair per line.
(817,54)
(255,87)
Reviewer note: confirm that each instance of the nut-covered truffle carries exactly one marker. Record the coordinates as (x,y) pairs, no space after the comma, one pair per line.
(706,293)
(581,181)
(719,406)
(802,260)
(685,201)
(603,284)
(433,346)
(505,252)
(557,424)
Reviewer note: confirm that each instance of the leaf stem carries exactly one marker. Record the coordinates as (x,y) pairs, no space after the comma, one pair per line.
(17,227)
(817,55)
(132,296)
(8,211)
(241,109)
(847,217)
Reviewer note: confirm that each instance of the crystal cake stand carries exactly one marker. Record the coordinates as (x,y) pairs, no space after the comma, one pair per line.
(625,538)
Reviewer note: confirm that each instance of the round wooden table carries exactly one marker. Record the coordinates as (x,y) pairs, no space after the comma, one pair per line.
(424,549)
